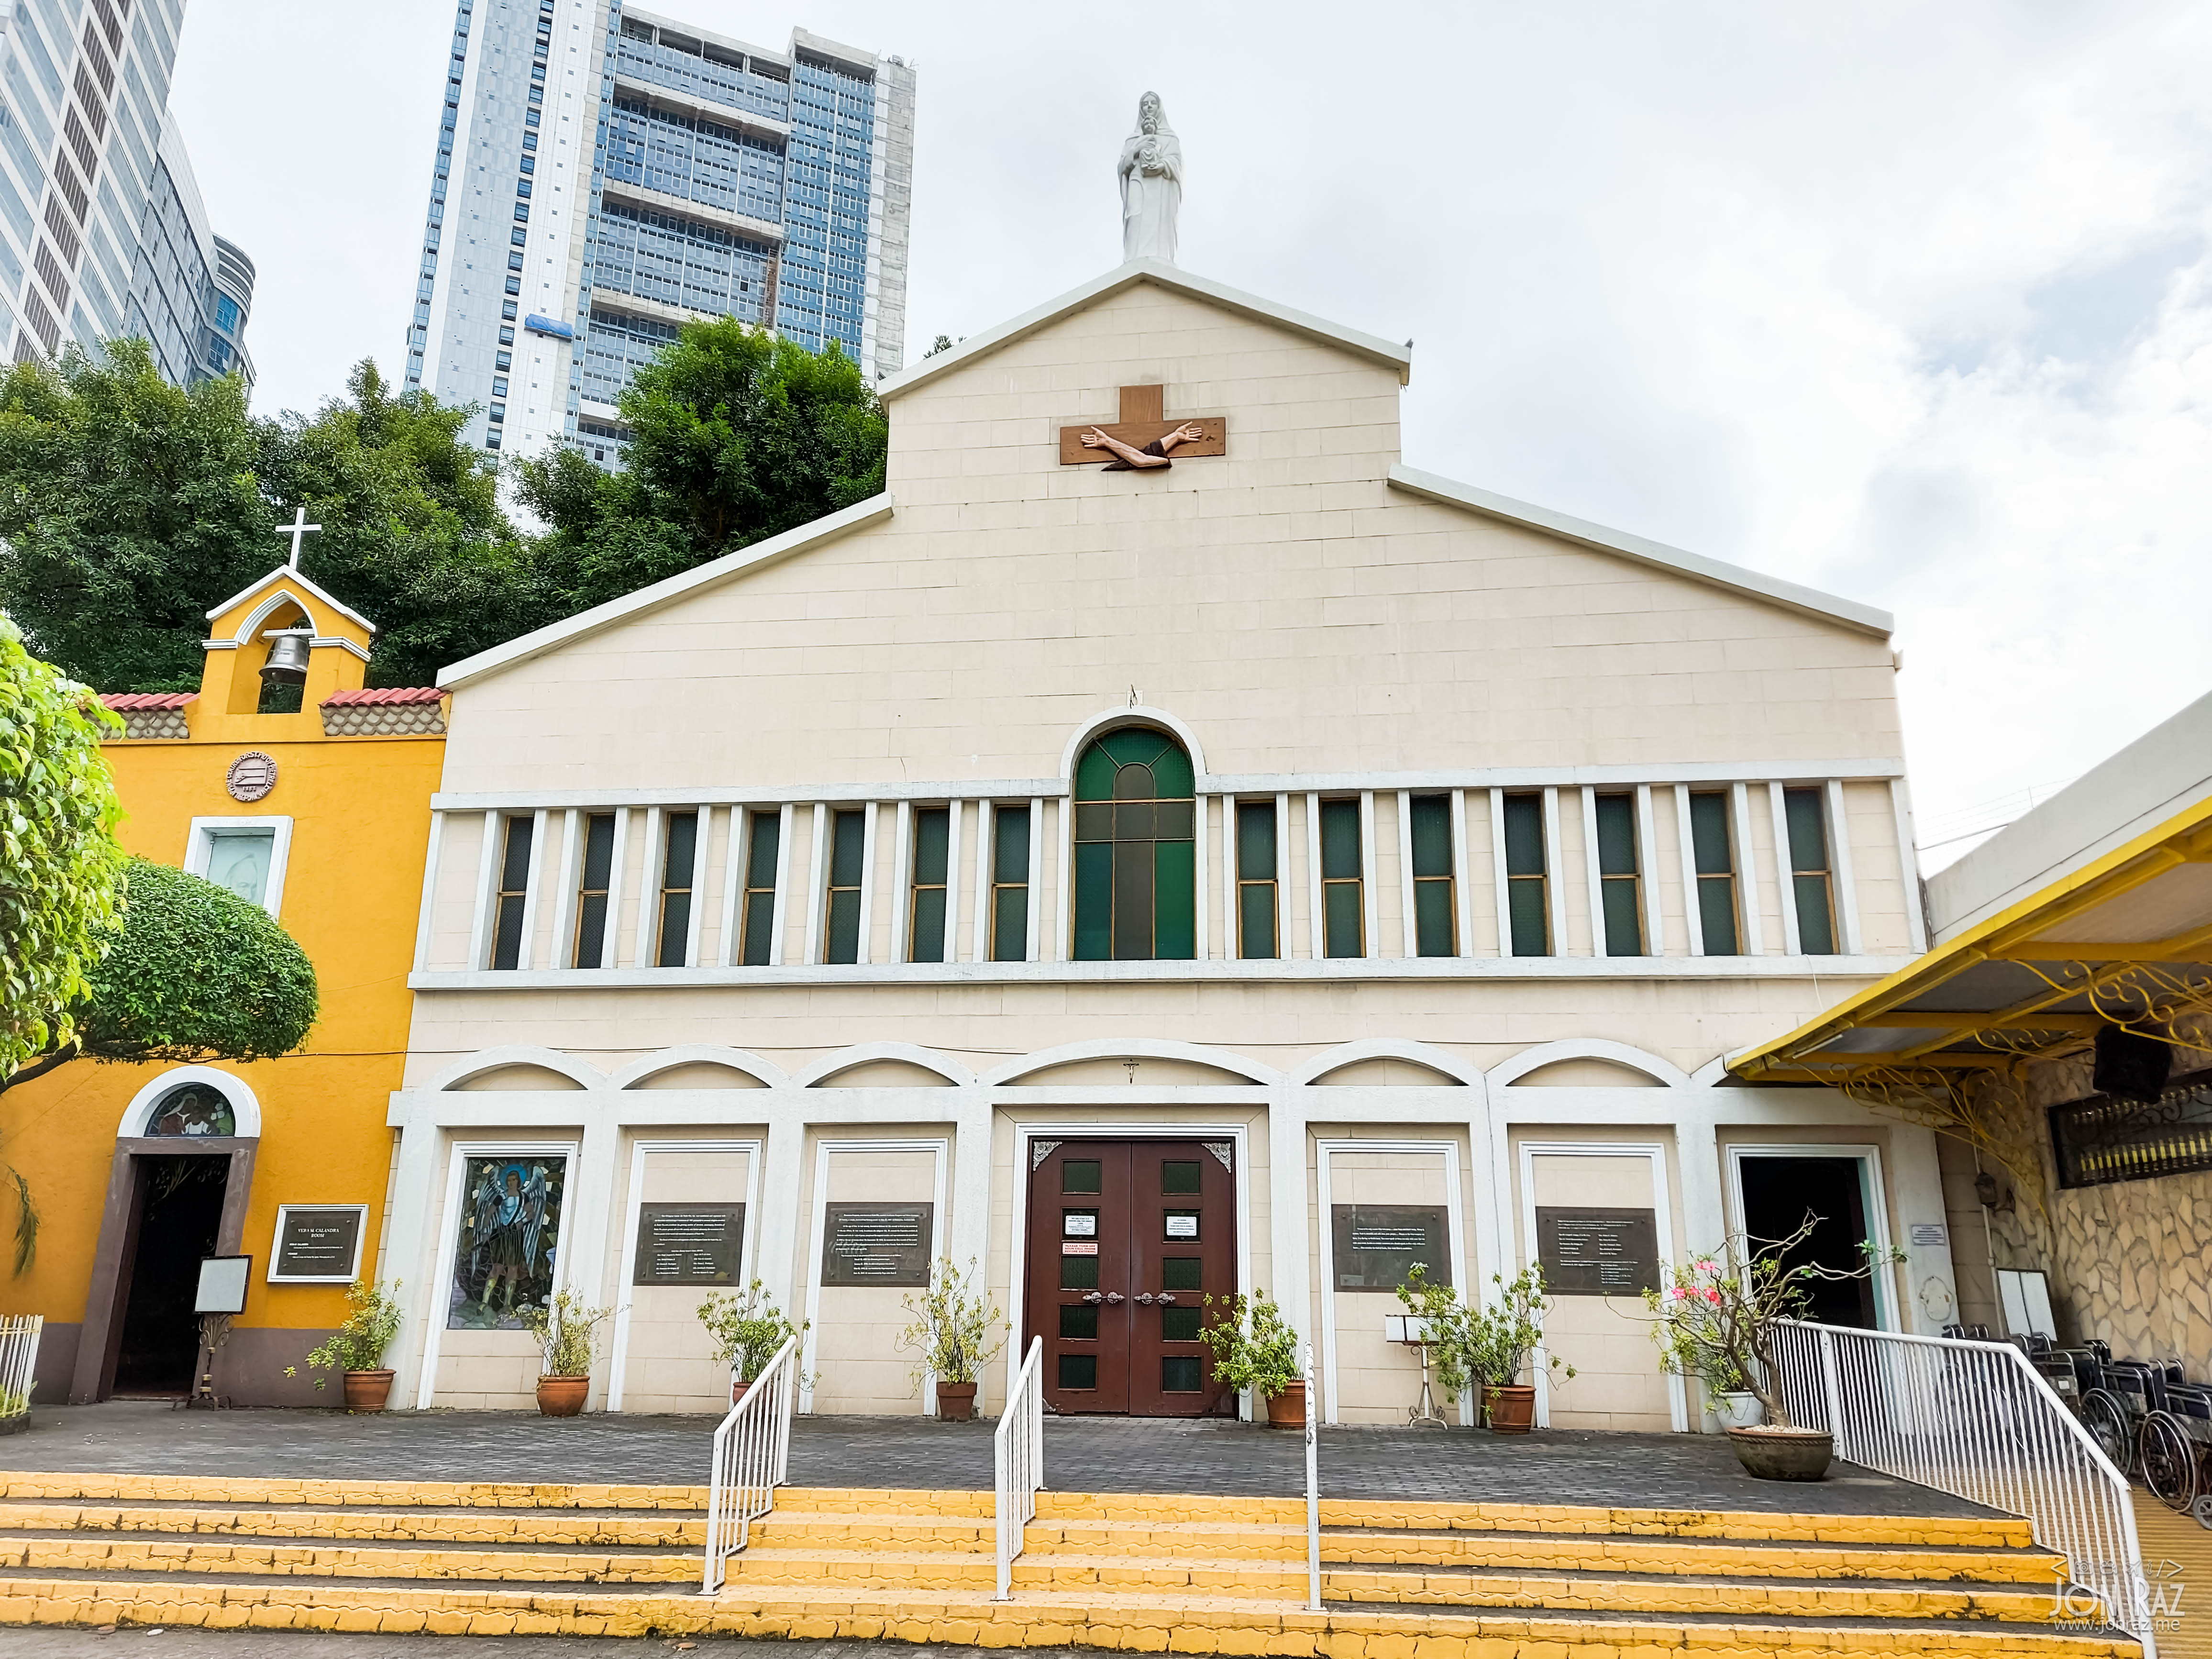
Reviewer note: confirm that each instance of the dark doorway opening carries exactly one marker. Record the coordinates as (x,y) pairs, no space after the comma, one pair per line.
(1778,1194)
(177,1212)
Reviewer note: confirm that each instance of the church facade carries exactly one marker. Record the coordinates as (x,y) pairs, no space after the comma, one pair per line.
(1262,870)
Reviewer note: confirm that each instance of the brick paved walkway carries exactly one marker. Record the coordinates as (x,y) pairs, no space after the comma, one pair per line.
(1667,1471)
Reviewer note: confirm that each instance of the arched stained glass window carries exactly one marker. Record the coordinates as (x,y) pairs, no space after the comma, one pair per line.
(192,1109)
(1135,855)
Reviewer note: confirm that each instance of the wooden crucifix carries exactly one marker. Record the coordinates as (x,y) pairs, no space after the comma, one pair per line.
(1143,437)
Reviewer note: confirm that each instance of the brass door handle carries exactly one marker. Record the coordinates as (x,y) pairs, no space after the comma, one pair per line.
(1094,1299)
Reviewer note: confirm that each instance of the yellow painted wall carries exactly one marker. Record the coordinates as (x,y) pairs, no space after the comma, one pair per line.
(360,807)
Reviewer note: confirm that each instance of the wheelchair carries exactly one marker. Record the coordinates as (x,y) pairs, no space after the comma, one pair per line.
(2174,1449)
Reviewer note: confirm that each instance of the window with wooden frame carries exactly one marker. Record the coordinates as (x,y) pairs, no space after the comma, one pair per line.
(1435,913)
(1136,850)
(1258,886)
(933,857)
(1010,883)
(764,846)
(848,841)
(514,894)
(680,830)
(1712,850)
(1527,897)
(1343,881)
(594,880)
(1806,814)
(1621,886)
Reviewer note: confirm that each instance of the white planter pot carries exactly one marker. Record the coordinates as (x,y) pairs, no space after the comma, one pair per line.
(1733,1410)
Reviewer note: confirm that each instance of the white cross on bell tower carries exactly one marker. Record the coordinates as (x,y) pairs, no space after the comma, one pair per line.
(297,528)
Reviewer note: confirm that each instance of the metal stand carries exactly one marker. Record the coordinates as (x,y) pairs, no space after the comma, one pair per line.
(1424,1412)
(215,1331)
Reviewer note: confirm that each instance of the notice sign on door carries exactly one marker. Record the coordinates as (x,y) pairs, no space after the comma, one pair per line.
(876,1243)
(689,1243)
(1598,1252)
(1377,1244)
(317,1243)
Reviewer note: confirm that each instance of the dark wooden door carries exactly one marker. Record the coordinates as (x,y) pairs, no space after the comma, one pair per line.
(1126,1240)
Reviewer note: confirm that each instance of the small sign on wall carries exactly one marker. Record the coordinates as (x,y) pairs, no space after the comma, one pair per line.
(1377,1244)
(876,1243)
(318,1243)
(1589,1251)
(689,1243)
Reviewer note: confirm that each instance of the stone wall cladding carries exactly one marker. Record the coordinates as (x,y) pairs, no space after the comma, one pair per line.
(383,719)
(154,723)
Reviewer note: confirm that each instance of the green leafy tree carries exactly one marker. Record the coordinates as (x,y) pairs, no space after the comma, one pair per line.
(737,435)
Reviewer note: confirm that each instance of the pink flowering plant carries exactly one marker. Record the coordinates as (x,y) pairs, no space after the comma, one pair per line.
(1716,1318)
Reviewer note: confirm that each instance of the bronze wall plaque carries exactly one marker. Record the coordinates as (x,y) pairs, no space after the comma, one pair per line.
(689,1243)
(1377,1244)
(1598,1252)
(876,1243)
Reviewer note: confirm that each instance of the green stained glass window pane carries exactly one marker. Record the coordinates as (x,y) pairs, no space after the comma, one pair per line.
(598,851)
(844,942)
(1009,925)
(1816,932)
(932,833)
(1181,1373)
(1078,1272)
(1180,1272)
(1009,850)
(760,923)
(1256,906)
(1709,834)
(1179,1175)
(1079,1372)
(515,863)
(1432,917)
(675,929)
(1524,836)
(1079,1175)
(591,930)
(1133,782)
(1717,913)
(1623,927)
(1433,835)
(847,840)
(1531,926)
(1340,918)
(1339,840)
(1174,927)
(683,847)
(1094,901)
(1616,835)
(1094,774)
(1078,1323)
(1180,1324)
(1255,841)
(1171,774)
(1132,900)
(1133,746)
(929,924)
(1808,830)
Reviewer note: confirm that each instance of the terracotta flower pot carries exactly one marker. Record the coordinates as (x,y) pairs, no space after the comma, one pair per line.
(367,1391)
(955,1402)
(1511,1407)
(1287,1410)
(1774,1454)
(561,1396)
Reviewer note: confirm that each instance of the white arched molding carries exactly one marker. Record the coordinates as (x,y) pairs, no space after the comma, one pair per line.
(1221,1059)
(1115,720)
(1413,1053)
(641,1070)
(278,600)
(1508,1072)
(245,1109)
(867,1053)
(580,1073)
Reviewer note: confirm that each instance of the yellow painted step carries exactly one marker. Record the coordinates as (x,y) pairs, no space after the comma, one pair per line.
(1563,1554)
(1977,1531)
(136,1555)
(19,1487)
(1744,1598)
(1145,1624)
(548,1527)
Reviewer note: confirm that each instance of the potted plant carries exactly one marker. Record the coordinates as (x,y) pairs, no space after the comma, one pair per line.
(567,1331)
(355,1349)
(1717,1318)
(1254,1347)
(746,1330)
(1729,1401)
(1503,1336)
(951,1330)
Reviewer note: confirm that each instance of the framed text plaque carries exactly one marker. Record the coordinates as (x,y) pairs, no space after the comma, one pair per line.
(1377,1244)
(689,1243)
(1597,1252)
(876,1243)
(318,1243)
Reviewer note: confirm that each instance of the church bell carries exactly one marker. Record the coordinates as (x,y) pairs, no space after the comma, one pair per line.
(287,660)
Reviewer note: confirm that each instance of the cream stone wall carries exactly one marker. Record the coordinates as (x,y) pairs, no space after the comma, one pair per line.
(853,1357)
(667,1361)
(1378,1380)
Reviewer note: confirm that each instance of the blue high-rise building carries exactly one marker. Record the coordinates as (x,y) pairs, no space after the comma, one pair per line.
(604,174)
(190,290)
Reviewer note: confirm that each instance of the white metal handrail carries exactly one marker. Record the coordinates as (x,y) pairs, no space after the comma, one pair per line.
(752,1458)
(1018,1461)
(1313,1489)
(1975,1420)
(19,1361)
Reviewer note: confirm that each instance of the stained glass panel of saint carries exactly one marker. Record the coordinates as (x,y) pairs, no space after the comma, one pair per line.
(192,1109)
(508,1239)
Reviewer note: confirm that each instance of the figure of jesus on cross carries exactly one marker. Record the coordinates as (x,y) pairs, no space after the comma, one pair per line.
(1154,454)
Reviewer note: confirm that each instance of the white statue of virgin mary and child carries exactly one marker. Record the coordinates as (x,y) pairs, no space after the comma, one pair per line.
(1151,184)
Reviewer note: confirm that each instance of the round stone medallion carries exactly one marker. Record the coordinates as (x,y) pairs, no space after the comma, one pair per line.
(252,776)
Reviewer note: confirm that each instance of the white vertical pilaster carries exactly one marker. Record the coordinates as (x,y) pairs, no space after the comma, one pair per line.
(1691,912)
(865,949)
(1839,868)
(953,816)
(1283,876)
(1036,875)
(430,862)
(1409,932)
(702,831)
(1785,871)
(1647,877)
(784,818)
(1908,863)
(1313,874)
(1289,1207)
(487,888)
(967,1230)
(1370,911)
(736,854)
(1555,872)
(562,952)
(648,891)
(987,830)
(1500,882)
(1462,883)
(780,1227)
(1750,901)
(818,881)
(585,1229)
(1600,944)
(610,935)
(1202,900)
(533,885)
(901,881)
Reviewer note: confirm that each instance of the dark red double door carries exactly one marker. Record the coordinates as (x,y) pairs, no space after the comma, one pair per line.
(1126,1240)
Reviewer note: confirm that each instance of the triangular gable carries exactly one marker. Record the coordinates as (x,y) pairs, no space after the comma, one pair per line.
(282,576)
(1400,357)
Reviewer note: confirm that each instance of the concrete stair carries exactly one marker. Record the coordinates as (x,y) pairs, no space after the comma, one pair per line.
(1180,1573)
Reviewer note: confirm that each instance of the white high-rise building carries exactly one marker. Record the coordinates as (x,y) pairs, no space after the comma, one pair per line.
(604,175)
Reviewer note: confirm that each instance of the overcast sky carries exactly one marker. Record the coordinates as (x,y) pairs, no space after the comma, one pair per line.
(1912,303)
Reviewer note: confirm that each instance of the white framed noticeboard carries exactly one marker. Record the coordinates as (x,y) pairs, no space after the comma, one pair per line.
(2025,1299)
(318,1243)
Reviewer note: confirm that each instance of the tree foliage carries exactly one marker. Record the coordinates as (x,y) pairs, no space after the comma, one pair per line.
(737,435)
